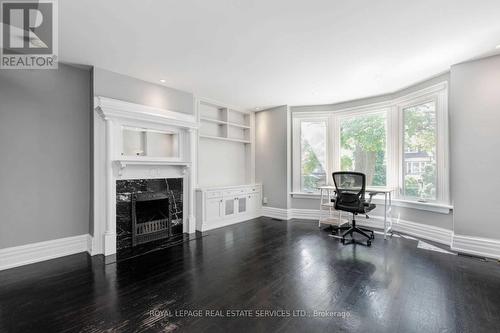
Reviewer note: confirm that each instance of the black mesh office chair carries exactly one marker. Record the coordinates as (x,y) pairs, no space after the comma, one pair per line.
(350,190)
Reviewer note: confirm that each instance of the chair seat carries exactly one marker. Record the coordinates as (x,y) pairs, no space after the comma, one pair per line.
(369,206)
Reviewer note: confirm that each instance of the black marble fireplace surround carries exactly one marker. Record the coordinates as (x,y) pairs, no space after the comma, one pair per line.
(171,188)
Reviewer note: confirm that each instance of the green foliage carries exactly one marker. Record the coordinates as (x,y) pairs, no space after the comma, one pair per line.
(380,177)
(420,128)
(420,136)
(346,163)
(364,132)
(363,142)
(310,165)
(422,186)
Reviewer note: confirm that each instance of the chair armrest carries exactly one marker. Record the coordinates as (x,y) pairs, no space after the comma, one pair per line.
(372,194)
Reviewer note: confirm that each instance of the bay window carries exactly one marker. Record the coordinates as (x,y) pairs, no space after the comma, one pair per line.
(401,143)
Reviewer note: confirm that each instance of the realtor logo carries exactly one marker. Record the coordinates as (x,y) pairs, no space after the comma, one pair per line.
(29,34)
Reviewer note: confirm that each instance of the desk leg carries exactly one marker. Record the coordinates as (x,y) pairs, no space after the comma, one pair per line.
(385,215)
(390,212)
(320,209)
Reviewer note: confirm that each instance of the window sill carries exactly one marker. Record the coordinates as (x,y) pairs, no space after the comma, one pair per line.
(427,206)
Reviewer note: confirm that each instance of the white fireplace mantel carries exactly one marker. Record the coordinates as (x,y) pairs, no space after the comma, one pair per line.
(141,115)
(110,117)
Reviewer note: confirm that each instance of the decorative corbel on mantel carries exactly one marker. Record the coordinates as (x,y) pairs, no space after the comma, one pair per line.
(109,108)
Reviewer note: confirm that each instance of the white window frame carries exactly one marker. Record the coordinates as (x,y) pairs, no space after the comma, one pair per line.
(439,95)
(395,140)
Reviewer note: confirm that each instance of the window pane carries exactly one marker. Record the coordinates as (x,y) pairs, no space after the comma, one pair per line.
(313,155)
(420,151)
(363,146)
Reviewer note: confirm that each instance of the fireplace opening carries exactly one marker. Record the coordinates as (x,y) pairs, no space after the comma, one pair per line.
(151,210)
(151,217)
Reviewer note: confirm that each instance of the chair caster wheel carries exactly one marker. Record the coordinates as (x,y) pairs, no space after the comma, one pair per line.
(372,236)
(368,243)
(342,241)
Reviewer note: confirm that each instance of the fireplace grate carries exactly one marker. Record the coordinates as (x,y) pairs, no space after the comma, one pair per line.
(158,228)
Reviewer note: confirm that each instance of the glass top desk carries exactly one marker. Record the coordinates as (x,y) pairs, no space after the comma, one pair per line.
(328,192)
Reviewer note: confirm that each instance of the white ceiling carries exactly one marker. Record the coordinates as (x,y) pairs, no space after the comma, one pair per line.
(257,53)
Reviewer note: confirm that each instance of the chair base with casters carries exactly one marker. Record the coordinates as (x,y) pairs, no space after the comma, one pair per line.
(351,229)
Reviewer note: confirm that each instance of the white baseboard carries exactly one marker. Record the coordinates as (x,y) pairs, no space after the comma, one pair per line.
(304,214)
(425,231)
(36,252)
(275,213)
(478,246)
(436,234)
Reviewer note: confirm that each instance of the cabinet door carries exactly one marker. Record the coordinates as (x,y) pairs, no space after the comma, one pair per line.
(242,205)
(229,206)
(213,209)
(253,202)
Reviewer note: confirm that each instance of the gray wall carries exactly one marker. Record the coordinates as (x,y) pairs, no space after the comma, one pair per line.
(475,138)
(45,149)
(271,155)
(272,171)
(126,88)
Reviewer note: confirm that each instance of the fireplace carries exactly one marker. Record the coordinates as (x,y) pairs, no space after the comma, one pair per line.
(149,214)
(166,141)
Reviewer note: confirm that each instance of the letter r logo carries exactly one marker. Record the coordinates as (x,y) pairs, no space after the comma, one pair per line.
(27,27)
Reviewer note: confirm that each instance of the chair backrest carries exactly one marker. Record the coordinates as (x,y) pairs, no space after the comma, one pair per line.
(350,187)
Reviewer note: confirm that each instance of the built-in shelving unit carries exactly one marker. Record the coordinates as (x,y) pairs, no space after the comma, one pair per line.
(224,123)
(226,147)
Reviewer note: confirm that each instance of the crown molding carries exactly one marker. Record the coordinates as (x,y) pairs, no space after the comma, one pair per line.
(114,109)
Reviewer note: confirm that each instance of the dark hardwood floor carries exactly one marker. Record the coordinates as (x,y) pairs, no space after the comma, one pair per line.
(255,266)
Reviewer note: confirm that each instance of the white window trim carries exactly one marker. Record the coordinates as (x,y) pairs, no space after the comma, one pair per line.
(395,144)
(439,95)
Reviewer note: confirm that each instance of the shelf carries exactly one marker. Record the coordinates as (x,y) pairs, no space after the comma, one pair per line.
(215,121)
(223,139)
(221,122)
(238,125)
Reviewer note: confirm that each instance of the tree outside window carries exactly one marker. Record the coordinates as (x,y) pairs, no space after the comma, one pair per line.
(363,146)
(420,149)
(313,155)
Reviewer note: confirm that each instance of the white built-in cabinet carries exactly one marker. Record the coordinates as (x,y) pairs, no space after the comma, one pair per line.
(220,206)
(226,191)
